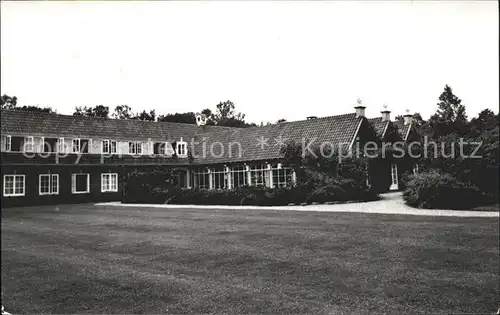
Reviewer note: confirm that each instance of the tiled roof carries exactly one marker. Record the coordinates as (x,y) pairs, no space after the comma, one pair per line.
(335,130)
(43,124)
(403,129)
(379,125)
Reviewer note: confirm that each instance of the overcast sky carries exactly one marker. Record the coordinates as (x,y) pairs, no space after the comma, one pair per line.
(272,59)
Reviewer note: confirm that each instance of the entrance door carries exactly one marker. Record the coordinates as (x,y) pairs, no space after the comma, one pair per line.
(394,177)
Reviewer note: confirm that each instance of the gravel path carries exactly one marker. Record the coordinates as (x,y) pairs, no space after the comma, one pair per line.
(391,203)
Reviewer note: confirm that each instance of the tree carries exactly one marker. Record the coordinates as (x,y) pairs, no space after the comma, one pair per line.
(185,118)
(97,111)
(225,115)
(122,112)
(450,116)
(146,116)
(281,120)
(8,102)
(486,120)
(37,109)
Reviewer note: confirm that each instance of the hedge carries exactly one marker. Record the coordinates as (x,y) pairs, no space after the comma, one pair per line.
(437,190)
(148,188)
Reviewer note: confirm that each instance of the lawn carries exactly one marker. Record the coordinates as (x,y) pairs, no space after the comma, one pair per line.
(104,259)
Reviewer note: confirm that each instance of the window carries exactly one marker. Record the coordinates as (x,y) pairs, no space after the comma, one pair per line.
(181,148)
(61,146)
(76,145)
(415,169)
(6,143)
(109,182)
(105,147)
(219,178)
(48,184)
(28,144)
(282,176)
(80,183)
(163,148)
(258,175)
(239,176)
(112,147)
(42,144)
(200,178)
(13,185)
(135,147)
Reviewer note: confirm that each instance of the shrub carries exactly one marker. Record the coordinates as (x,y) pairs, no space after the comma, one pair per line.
(342,190)
(437,190)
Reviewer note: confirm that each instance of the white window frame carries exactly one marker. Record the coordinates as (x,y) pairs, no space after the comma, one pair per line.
(136,146)
(15,178)
(110,187)
(258,175)
(394,177)
(61,148)
(32,145)
(181,148)
(73,183)
(113,150)
(201,178)
(73,145)
(108,147)
(51,187)
(278,173)
(7,144)
(42,144)
(220,178)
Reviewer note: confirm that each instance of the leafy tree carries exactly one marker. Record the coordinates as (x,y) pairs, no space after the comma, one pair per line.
(146,116)
(486,120)
(281,120)
(225,115)
(185,118)
(122,112)
(8,102)
(97,111)
(38,109)
(450,116)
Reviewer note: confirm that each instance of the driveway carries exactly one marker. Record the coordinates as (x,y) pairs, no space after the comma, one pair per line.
(390,203)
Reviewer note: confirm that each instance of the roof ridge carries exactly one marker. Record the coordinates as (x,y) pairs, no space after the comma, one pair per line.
(83,117)
(282,123)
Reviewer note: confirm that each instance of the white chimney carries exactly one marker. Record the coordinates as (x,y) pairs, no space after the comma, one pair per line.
(360,111)
(201,119)
(386,115)
(408,118)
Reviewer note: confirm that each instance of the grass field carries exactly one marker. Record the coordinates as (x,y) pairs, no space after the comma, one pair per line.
(103,259)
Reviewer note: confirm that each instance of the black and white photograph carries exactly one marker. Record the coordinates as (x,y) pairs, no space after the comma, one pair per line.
(250,157)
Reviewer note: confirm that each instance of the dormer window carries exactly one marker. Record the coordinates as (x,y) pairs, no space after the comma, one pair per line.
(29,144)
(135,147)
(76,145)
(6,143)
(181,148)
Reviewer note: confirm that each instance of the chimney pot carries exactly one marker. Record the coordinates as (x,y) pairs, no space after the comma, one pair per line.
(360,111)
(386,115)
(408,118)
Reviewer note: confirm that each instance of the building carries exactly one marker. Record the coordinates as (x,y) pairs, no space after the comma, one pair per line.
(49,158)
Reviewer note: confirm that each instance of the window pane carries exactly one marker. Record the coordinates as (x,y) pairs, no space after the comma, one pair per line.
(19,185)
(44,184)
(80,182)
(8,184)
(55,184)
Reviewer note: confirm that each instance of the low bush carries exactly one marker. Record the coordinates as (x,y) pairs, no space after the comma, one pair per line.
(437,190)
(338,190)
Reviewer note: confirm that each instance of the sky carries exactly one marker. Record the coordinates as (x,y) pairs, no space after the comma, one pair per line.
(272,59)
